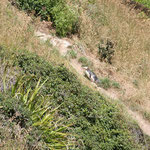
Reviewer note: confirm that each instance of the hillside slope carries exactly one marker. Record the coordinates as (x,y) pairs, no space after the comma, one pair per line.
(95,122)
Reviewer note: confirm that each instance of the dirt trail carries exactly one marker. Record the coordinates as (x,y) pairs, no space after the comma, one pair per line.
(144,125)
(64,45)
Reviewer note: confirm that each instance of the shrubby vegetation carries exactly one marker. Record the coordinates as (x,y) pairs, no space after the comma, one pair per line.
(64,17)
(32,112)
(97,123)
(106,51)
(144,2)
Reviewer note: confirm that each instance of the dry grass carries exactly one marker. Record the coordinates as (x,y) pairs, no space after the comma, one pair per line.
(110,19)
(130,33)
(17,33)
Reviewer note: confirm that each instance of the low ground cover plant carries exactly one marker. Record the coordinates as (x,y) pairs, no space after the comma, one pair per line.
(106,51)
(106,83)
(72,54)
(97,123)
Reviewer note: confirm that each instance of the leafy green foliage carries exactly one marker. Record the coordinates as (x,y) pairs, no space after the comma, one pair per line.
(42,113)
(13,108)
(106,51)
(62,15)
(144,2)
(27,107)
(97,123)
(16,115)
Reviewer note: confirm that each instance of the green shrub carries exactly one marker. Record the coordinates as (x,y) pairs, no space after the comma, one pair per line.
(15,114)
(97,123)
(144,2)
(115,85)
(28,106)
(38,7)
(25,105)
(63,16)
(106,83)
(14,108)
(65,19)
(106,51)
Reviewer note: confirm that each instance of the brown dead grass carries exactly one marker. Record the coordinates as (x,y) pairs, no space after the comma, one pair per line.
(110,19)
(131,35)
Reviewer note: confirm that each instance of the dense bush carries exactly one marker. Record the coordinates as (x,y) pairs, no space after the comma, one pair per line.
(97,123)
(106,51)
(144,2)
(26,108)
(62,15)
(14,108)
(85,62)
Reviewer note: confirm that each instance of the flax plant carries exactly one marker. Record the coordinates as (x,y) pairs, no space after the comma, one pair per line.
(44,117)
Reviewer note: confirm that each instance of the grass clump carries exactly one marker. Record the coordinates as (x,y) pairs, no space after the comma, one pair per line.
(72,54)
(85,62)
(115,85)
(97,123)
(106,83)
(146,115)
(63,16)
(25,106)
